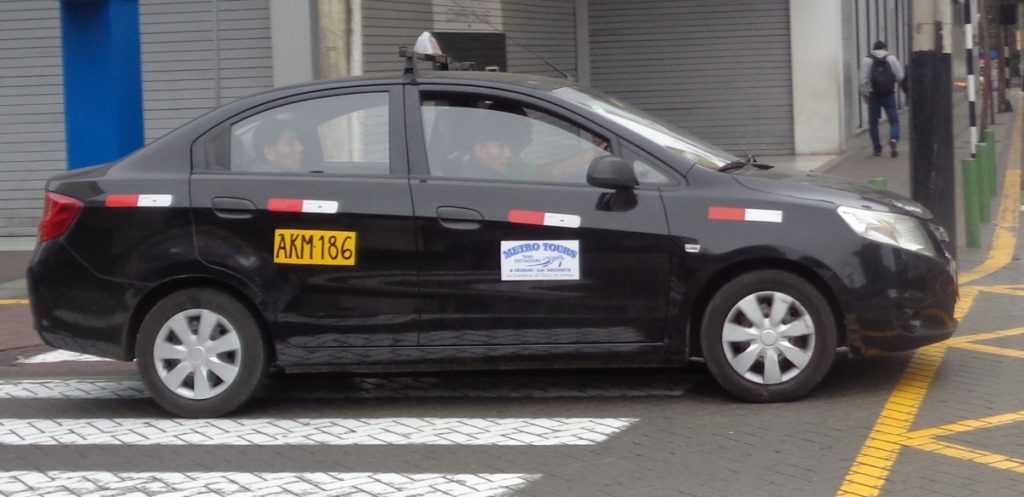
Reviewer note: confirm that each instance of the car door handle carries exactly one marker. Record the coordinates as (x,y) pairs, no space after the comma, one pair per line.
(459,218)
(233,208)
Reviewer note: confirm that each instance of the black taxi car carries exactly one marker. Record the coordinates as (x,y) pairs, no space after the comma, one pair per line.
(463,220)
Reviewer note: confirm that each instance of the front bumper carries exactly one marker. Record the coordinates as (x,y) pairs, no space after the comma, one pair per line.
(894,300)
(75,309)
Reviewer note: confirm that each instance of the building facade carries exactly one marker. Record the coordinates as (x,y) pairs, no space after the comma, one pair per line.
(765,77)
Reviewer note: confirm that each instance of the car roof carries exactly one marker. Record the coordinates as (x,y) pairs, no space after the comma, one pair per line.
(530,81)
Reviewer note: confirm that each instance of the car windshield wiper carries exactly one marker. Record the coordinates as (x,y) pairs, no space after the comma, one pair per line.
(732,166)
(740,164)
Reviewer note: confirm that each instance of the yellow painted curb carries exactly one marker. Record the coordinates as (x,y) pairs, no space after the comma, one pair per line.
(13,301)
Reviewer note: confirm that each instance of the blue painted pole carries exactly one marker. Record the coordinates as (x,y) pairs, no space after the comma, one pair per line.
(102,80)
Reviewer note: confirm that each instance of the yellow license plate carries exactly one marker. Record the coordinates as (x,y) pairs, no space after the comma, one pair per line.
(328,248)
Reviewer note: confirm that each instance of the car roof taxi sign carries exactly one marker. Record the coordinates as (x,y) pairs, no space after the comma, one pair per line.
(426,44)
(426,48)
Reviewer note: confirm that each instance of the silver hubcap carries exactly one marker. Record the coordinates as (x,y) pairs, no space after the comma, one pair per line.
(768,337)
(197,354)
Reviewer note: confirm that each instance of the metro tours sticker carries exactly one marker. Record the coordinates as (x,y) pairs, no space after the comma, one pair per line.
(540,260)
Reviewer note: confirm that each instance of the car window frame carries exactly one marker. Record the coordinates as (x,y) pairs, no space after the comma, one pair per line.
(631,151)
(416,134)
(219,135)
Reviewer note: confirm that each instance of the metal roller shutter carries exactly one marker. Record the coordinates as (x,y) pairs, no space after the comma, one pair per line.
(31,111)
(718,69)
(178,83)
(387,25)
(179,60)
(544,27)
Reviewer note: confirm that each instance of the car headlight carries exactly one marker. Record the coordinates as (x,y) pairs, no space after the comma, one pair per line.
(885,227)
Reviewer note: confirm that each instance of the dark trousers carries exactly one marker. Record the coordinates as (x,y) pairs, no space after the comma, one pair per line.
(875,105)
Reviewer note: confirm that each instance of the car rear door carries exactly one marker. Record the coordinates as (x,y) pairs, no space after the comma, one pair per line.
(537,257)
(330,245)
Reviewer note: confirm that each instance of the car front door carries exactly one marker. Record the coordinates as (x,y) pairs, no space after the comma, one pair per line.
(308,200)
(516,248)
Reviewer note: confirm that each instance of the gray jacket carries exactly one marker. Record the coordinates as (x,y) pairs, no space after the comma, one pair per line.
(865,69)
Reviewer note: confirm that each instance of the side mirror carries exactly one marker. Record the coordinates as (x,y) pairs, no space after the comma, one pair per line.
(609,171)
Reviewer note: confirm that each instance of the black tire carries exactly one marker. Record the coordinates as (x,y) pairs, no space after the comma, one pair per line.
(249,358)
(766,287)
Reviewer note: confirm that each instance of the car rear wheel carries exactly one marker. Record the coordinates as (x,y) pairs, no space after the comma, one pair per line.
(201,353)
(768,336)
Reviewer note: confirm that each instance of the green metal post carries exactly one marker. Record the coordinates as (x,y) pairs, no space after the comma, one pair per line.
(972,203)
(878,182)
(992,179)
(982,176)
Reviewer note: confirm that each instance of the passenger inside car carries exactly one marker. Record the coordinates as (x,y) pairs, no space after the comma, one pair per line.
(277,147)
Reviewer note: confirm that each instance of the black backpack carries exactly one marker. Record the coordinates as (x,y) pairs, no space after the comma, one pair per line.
(883,81)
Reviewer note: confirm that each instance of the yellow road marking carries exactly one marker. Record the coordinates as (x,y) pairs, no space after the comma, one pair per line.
(1019,354)
(894,421)
(1006,290)
(889,432)
(968,425)
(13,301)
(957,451)
(984,336)
(967,296)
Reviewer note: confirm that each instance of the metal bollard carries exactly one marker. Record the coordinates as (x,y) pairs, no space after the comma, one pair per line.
(992,178)
(989,169)
(878,182)
(982,165)
(972,202)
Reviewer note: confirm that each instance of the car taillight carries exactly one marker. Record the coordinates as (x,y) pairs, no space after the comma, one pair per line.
(59,211)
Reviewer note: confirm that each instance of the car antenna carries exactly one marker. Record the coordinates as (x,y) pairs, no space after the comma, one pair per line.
(520,45)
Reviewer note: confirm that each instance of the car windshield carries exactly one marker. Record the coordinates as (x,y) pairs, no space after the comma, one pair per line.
(664,134)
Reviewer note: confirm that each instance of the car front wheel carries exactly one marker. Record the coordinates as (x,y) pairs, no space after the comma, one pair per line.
(201,353)
(768,336)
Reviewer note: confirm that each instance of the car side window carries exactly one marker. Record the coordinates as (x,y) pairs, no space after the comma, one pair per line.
(471,137)
(343,134)
(644,167)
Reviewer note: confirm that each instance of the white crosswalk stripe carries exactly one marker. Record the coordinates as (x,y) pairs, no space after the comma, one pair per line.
(286,432)
(356,388)
(58,356)
(312,431)
(79,483)
(72,389)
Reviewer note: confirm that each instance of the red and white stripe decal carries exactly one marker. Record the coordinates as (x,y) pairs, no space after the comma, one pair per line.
(741,214)
(136,200)
(300,205)
(543,218)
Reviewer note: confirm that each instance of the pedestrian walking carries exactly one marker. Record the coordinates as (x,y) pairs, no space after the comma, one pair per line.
(880,72)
